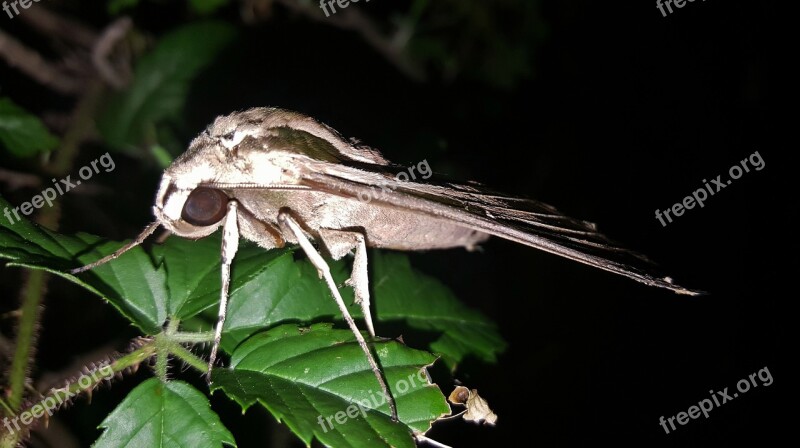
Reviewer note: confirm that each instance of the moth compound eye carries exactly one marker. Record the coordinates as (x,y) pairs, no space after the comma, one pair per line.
(204,207)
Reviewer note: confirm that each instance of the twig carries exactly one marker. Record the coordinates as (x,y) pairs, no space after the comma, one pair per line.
(102,49)
(16,180)
(55,25)
(32,64)
(81,129)
(353,19)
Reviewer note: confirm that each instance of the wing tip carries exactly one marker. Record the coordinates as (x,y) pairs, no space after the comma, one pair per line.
(670,284)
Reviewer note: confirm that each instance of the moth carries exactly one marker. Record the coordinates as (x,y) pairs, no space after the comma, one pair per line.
(277,177)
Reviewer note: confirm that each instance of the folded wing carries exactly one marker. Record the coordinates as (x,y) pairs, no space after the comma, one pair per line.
(520,220)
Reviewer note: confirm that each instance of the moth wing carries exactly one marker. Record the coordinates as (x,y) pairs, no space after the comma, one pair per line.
(520,220)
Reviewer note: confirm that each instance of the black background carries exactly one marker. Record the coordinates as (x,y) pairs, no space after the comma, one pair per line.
(627,112)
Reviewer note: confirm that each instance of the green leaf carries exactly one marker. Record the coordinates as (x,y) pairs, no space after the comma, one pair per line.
(403,293)
(319,383)
(161,82)
(156,414)
(132,284)
(269,287)
(21,133)
(289,290)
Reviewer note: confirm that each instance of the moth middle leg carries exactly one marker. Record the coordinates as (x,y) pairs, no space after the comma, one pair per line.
(340,243)
(289,223)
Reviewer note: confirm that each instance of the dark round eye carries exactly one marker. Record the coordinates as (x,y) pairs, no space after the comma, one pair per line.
(204,207)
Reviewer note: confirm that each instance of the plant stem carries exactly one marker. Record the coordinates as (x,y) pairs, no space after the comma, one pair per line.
(31,299)
(169,342)
(13,428)
(162,356)
(132,359)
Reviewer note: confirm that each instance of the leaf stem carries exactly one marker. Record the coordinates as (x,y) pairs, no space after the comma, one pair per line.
(173,339)
(188,357)
(193,338)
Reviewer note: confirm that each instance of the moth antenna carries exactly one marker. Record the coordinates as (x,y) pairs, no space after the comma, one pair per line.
(137,241)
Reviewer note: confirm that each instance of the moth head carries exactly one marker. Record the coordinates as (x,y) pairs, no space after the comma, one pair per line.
(192,212)
(192,198)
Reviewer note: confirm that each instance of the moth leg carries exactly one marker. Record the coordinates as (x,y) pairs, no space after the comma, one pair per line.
(230,244)
(340,243)
(288,222)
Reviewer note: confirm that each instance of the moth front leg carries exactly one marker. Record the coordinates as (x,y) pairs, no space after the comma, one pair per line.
(340,243)
(290,225)
(230,244)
